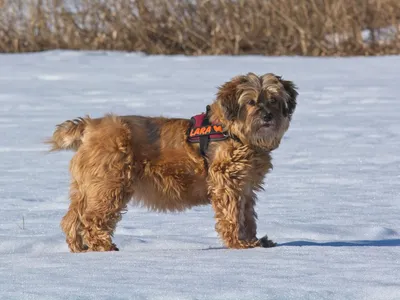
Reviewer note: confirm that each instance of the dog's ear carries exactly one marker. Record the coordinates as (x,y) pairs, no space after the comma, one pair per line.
(228,95)
(292,93)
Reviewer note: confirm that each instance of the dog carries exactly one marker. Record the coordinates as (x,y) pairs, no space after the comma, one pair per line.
(152,161)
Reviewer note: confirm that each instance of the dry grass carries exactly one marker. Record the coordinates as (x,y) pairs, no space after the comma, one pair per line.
(195,27)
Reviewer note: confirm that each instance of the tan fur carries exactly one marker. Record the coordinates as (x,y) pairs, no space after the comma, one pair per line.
(68,134)
(148,161)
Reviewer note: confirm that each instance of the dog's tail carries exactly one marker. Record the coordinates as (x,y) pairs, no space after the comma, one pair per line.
(68,135)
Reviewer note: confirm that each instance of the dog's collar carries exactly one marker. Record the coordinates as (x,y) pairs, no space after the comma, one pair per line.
(203,131)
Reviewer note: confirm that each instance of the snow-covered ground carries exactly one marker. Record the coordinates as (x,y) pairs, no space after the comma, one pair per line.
(332,201)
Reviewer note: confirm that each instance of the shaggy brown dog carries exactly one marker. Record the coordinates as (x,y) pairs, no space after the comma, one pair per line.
(149,161)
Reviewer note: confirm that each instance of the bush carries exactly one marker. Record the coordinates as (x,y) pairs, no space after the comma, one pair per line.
(196,27)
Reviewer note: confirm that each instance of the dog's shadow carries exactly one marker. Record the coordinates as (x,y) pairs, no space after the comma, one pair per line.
(360,243)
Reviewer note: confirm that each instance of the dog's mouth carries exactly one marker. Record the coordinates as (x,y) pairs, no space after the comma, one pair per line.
(267,124)
(266,128)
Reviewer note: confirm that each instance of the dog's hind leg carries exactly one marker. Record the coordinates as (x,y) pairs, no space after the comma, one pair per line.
(104,164)
(104,208)
(71,223)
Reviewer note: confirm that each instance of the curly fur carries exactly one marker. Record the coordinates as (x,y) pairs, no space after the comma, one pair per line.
(148,161)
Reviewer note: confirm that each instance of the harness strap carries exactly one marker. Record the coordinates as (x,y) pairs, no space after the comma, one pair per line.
(205,139)
(203,132)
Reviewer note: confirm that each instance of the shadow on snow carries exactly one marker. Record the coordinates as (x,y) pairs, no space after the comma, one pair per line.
(361,243)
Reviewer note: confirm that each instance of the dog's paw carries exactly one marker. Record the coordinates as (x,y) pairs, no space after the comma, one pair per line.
(266,243)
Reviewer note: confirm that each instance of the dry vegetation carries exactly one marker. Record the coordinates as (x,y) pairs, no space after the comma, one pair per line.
(195,27)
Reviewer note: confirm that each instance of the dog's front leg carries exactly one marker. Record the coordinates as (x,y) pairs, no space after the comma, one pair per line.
(250,218)
(227,186)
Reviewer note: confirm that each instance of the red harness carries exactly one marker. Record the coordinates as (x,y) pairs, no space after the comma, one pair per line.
(204,132)
(201,128)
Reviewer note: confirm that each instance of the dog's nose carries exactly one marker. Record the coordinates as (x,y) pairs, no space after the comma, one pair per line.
(268,117)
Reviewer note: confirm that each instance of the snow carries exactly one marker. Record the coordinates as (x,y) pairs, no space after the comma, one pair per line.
(331,202)
(384,35)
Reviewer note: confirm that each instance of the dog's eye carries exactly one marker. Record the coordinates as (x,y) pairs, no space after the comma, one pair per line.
(251,103)
(273,101)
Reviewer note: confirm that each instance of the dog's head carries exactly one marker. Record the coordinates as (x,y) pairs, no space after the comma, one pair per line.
(257,109)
